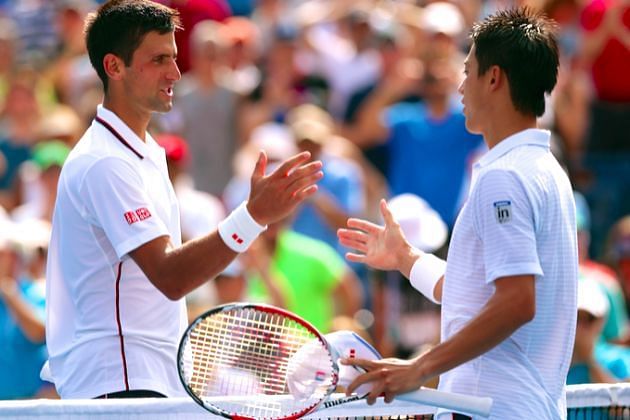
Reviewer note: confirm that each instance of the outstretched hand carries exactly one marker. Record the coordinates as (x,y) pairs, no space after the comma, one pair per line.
(379,247)
(273,197)
(389,377)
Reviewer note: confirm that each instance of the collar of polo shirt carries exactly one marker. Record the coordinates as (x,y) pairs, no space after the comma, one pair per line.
(139,147)
(531,136)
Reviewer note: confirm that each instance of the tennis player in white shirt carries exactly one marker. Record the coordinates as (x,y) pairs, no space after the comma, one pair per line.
(508,287)
(117,270)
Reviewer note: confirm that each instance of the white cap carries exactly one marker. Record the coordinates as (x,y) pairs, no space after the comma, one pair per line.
(349,345)
(275,139)
(423,227)
(442,17)
(591,298)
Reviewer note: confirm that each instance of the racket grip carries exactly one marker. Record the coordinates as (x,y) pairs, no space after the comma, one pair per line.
(466,404)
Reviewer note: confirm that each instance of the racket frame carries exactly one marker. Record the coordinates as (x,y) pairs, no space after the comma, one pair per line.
(262,308)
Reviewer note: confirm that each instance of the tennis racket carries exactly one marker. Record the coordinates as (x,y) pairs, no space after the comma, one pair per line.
(252,361)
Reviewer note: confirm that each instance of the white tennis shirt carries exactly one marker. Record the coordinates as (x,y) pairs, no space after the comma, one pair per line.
(108,328)
(519,219)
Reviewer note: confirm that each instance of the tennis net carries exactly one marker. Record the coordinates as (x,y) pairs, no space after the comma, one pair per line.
(585,402)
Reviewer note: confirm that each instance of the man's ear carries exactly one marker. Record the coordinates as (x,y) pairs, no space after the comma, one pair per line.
(114,66)
(496,77)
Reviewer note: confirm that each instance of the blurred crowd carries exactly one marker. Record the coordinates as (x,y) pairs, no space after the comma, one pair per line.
(367,86)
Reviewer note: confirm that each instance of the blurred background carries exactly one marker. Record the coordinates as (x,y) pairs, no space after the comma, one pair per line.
(368,87)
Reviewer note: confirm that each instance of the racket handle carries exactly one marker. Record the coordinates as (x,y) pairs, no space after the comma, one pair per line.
(466,404)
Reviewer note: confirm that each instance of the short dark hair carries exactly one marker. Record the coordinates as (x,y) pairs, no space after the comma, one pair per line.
(119,26)
(523,44)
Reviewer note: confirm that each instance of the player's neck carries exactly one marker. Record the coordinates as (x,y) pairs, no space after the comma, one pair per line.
(137,120)
(505,125)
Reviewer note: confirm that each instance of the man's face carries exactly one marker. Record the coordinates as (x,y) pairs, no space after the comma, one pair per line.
(472,89)
(151,76)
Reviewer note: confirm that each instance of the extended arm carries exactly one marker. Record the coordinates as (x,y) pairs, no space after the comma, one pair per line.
(23,313)
(512,305)
(177,271)
(385,248)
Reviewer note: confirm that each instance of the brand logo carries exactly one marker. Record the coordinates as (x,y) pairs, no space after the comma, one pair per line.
(503,211)
(237,238)
(137,216)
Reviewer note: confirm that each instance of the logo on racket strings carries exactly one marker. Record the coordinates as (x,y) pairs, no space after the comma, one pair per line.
(320,376)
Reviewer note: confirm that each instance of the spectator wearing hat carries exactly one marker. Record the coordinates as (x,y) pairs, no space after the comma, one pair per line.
(593,309)
(22,309)
(341,194)
(200,212)
(616,325)
(617,253)
(40,177)
(276,140)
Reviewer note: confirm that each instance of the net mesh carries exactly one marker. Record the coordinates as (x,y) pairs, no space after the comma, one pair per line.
(585,402)
(598,402)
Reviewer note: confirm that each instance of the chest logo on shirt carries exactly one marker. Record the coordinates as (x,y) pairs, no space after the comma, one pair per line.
(503,211)
(137,216)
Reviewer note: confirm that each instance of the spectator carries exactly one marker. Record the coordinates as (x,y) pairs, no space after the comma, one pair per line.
(200,212)
(616,325)
(48,158)
(313,280)
(205,112)
(341,192)
(605,52)
(22,309)
(592,313)
(426,141)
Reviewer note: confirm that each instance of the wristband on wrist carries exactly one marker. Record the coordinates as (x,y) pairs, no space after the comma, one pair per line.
(239,229)
(425,273)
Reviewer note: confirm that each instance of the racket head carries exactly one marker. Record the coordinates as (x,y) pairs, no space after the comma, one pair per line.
(243,360)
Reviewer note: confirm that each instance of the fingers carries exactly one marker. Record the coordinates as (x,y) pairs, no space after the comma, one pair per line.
(297,185)
(353,244)
(364,225)
(353,239)
(288,165)
(387,214)
(358,258)
(305,170)
(261,165)
(305,193)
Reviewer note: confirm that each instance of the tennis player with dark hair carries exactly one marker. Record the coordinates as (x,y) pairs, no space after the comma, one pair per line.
(117,271)
(508,289)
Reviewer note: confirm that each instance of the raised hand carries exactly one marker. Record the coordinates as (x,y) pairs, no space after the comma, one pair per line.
(273,197)
(380,247)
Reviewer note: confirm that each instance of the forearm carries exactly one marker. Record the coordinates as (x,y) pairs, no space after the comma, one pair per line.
(271,284)
(178,271)
(332,214)
(369,129)
(349,294)
(598,374)
(24,315)
(497,321)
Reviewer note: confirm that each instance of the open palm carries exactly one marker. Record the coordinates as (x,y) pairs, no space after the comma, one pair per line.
(377,246)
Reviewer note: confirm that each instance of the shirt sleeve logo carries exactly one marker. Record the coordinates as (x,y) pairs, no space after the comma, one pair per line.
(503,211)
(137,216)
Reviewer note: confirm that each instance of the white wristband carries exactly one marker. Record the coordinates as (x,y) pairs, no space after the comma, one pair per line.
(239,229)
(425,273)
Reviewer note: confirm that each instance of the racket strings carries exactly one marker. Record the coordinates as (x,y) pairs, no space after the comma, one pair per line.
(246,352)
